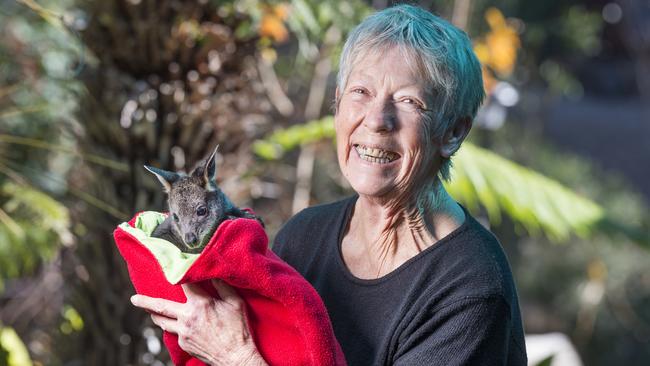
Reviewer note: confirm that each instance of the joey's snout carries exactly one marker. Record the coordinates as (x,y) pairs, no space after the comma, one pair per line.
(190,239)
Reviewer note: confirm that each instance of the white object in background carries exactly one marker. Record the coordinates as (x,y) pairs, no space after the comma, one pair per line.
(558,345)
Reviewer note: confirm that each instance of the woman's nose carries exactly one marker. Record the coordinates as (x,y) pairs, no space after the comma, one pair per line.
(380,117)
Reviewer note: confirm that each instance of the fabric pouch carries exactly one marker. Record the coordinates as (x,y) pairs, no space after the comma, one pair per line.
(287,319)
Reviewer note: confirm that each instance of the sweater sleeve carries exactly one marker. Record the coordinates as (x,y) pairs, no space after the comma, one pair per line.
(468,331)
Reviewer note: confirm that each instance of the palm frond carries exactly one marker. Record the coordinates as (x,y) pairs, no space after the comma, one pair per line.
(42,209)
(531,199)
(34,228)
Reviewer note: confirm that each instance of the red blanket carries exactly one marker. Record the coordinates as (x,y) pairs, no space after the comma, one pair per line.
(287,318)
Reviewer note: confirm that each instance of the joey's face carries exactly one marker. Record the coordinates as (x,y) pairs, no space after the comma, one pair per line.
(196,213)
(382,140)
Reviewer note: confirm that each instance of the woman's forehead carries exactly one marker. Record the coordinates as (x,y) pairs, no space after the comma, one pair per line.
(394,62)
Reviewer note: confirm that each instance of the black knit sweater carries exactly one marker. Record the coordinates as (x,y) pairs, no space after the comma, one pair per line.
(455,303)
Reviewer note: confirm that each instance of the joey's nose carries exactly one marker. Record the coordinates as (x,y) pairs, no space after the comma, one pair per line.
(190,238)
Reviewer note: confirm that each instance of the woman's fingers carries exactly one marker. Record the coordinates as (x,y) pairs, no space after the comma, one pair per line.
(227,293)
(155,305)
(165,323)
(213,330)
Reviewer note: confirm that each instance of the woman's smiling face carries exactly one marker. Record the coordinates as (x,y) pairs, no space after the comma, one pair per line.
(382,142)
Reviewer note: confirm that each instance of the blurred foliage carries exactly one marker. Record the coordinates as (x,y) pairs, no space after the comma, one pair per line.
(560,80)
(33,225)
(497,50)
(311,21)
(282,140)
(36,95)
(554,37)
(12,350)
(72,320)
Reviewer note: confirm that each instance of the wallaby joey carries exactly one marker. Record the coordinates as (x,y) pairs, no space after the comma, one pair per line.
(196,207)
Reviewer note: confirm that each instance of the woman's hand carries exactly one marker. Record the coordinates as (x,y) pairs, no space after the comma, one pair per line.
(212,330)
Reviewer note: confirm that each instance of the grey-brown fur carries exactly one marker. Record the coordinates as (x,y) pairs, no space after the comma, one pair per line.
(196,207)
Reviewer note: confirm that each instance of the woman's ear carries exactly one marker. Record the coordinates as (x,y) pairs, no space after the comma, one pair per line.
(455,136)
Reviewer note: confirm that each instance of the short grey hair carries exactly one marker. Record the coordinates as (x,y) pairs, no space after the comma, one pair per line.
(434,48)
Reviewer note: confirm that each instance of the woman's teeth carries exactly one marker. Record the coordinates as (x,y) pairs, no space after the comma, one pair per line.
(375,155)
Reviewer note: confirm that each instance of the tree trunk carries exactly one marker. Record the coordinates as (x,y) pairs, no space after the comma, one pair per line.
(170,82)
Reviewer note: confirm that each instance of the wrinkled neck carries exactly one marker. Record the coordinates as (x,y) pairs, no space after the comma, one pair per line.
(401,228)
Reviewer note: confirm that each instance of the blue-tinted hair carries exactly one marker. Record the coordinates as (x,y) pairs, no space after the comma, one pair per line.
(433,48)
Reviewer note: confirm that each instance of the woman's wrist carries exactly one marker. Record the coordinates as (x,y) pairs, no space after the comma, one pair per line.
(247,355)
(253,357)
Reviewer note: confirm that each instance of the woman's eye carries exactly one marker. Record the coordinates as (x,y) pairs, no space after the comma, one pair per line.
(201,211)
(411,101)
(175,217)
(358,91)
(410,104)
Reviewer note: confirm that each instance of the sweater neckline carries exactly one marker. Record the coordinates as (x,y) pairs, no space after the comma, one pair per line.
(344,222)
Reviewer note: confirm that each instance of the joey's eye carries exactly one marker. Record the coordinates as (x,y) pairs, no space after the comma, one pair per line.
(201,211)
(175,217)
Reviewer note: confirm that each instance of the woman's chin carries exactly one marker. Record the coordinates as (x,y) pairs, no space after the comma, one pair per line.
(376,188)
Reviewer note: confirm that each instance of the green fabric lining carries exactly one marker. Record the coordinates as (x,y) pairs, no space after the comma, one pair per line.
(173,261)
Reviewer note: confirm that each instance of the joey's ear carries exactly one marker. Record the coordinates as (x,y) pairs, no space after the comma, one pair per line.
(210,171)
(165,177)
(455,136)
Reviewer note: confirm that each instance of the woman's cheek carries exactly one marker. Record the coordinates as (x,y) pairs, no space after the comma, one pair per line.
(413,161)
(342,141)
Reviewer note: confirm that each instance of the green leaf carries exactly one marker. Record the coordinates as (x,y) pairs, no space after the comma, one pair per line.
(546,362)
(17,354)
(72,320)
(283,140)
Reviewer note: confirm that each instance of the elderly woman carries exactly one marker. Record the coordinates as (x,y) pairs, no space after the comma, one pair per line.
(407,275)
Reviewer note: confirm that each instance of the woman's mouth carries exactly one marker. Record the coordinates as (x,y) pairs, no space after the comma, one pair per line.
(375,155)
